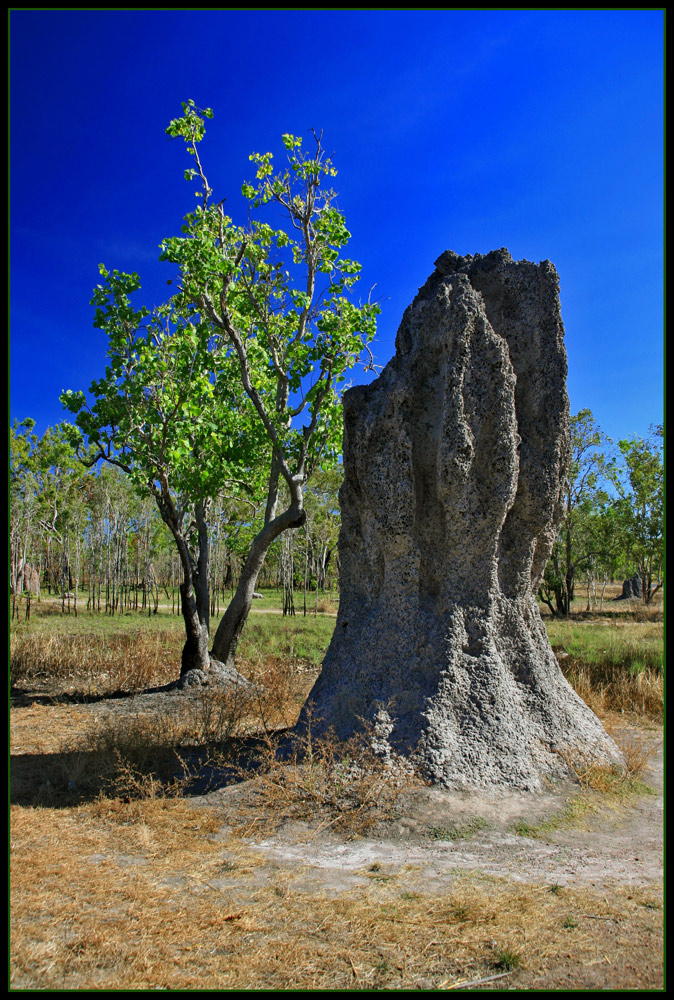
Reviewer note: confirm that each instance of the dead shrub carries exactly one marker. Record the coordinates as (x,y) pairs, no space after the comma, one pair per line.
(135,756)
(589,771)
(217,715)
(637,748)
(611,778)
(279,689)
(129,782)
(346,783)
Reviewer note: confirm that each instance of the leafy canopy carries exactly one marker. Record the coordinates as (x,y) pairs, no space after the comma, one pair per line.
(162,411)
(246,360)
(278,294)
(639,481)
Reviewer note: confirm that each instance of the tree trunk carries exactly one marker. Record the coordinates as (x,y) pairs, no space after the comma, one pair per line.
(306,566)
(195,600)
(288,566)
(232,623)
(194,588)
(195,651)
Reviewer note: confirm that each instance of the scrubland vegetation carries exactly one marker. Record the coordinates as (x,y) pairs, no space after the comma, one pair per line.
(122,879)
(124,876)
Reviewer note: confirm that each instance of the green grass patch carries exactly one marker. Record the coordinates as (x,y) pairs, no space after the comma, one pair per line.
(290,638)
(46,618)
(507,958)
(614,666)
(459,831)
(629,646)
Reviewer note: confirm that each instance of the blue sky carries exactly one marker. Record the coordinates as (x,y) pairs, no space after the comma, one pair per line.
(540,131)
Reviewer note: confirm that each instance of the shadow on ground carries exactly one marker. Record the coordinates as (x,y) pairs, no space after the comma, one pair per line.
(75,777)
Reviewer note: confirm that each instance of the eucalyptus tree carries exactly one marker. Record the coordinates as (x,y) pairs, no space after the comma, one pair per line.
(174,422)
(277,299)
(638,476)
(583,495)
(46,493)
(22,499)
(323,521)
(233,386)
(601,533)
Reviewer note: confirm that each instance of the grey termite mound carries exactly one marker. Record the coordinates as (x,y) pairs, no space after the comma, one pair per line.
(454,460)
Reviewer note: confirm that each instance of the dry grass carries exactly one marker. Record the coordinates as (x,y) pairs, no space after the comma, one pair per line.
(602,786)
(342,785)
(609,688)
(68,754)
(155,895)
(93,664)
(326,606)
(119,882)
(612,780)
(615,664)
(637,747)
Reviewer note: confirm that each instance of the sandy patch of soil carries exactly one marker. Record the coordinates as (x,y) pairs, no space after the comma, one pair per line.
(557,837)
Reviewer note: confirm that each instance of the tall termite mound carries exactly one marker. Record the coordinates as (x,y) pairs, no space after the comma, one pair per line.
(454,460)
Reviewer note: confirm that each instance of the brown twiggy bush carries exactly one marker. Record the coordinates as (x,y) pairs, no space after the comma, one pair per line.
(128,756)
(279,689)
(344,782)
(216,715)
(613,778)
(637,748)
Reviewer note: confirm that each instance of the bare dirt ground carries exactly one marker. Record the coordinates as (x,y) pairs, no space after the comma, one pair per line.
(483,890)
(439,833)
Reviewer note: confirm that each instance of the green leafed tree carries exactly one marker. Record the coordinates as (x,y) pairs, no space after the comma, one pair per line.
(584,496)
(167,412)
(233,386)
(277,294)
(639,480)
(22,498)
(46,489)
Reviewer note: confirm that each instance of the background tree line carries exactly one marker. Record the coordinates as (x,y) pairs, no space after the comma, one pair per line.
(90,539)
(613,518)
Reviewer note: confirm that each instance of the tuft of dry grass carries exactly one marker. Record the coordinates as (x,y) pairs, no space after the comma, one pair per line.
(591,773)
(95,664)
(341,784)
(637,749)
(610,688)
(326,606)
(613,780)
(601,785)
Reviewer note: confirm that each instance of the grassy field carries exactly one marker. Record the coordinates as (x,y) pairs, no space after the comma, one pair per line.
(120,880)
(614,657)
